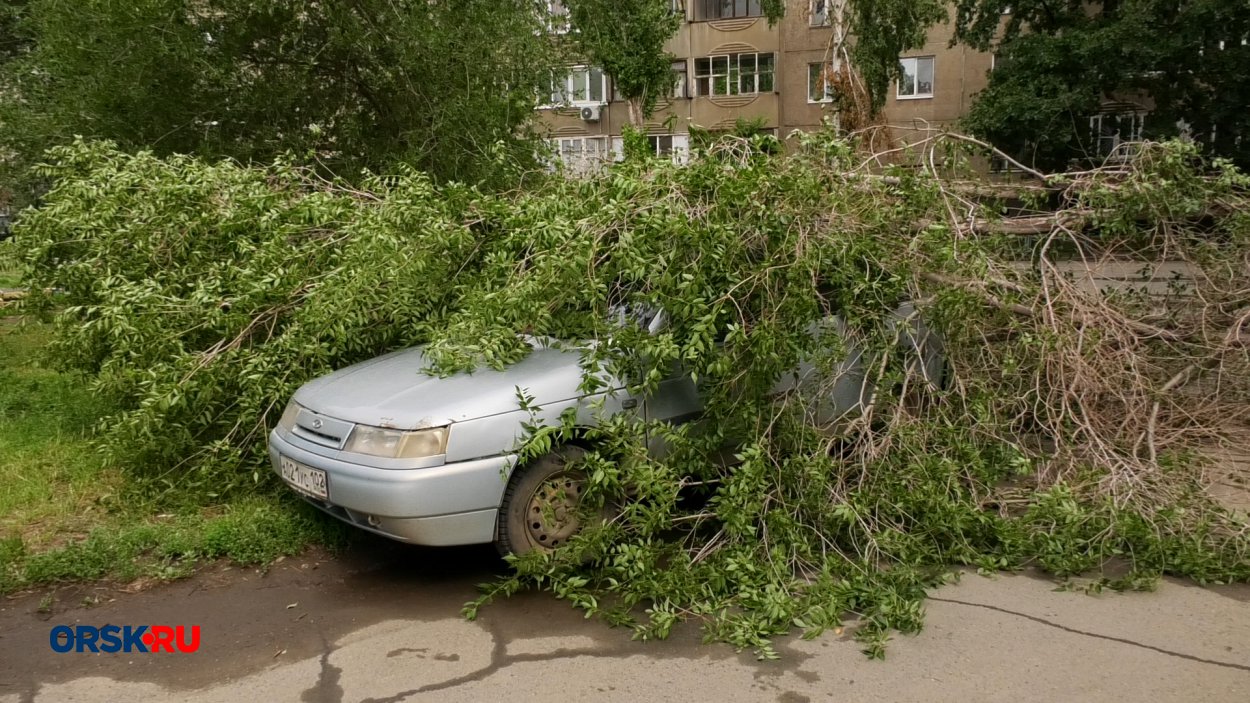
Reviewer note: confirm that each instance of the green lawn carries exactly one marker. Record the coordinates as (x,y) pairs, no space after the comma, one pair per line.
(9,276)
(52,485)
(65,516)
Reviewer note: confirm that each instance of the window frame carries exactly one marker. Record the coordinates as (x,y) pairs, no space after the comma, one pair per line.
(828,93)
(734,74)
(681,83)
(558,17)
(898,88)
(568,90)
(1137,127)
(824,12)
(678,146)
(711,10)
(586,159)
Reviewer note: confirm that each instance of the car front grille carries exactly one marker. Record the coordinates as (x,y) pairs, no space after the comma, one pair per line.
(322,429)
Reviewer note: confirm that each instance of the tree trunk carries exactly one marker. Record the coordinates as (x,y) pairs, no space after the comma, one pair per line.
(838,52)
(838,10)
(635,112)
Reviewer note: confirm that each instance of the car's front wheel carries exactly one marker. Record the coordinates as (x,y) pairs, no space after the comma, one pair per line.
(540,506)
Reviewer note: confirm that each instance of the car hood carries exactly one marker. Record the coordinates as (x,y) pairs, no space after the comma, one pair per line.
(393,390)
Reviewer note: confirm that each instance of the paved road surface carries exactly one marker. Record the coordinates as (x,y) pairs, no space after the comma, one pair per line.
(381,623)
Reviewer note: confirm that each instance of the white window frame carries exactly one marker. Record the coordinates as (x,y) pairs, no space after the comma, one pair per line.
(680,89)
(729,69)
(565,94)
(1222,45)
(1002,166)
(674,146)
(557,17)
(583,154)
(914,62)
(709,10)
(818,13)
(681,82)
(812,74)
(1113,142)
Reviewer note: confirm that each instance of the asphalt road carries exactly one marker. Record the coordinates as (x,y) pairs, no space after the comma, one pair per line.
(381,623)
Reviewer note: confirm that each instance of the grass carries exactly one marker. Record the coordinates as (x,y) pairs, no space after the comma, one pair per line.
(10,277)
(65,516)
(51,481)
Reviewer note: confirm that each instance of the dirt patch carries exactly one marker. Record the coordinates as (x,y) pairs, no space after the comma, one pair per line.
(1229,478)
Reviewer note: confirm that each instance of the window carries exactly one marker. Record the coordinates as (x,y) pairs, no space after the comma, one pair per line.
(679,84)
(582,154)
(734,74)
(1001,165)
(557,17)
(679,80)
(1225,44)
(661,144)
(917,80)
(582,85)
(1111,131)
(819,83)
(725,9)
(819,16)
(674,146)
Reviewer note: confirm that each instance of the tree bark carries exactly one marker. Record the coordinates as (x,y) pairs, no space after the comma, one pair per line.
(635,112)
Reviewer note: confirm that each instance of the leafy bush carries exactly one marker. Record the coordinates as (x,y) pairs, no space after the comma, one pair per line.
(201,295)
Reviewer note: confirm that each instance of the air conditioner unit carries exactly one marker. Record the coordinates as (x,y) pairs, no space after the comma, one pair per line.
(590,113)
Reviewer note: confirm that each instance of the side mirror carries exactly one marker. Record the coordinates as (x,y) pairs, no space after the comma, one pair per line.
(657,322)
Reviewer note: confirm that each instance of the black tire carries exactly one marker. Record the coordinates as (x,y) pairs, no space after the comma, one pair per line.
(539,509)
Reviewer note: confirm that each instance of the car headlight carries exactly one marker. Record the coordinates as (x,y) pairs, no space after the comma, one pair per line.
(287,421)
(397,444)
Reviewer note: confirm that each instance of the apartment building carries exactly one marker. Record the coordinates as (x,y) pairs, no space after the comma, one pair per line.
(730,65)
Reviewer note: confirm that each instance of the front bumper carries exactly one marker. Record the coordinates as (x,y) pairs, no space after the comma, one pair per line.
(444,505)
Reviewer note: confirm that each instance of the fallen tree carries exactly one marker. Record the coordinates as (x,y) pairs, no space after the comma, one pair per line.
(1069,435)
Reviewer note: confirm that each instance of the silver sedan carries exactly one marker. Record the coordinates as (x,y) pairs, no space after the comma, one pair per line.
(433,461)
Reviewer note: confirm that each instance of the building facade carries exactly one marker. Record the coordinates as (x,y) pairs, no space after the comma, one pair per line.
(731,65)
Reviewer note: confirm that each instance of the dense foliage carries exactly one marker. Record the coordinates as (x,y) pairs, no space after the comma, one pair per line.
(436,85)
(626,39)
(199,296)
(1059,63)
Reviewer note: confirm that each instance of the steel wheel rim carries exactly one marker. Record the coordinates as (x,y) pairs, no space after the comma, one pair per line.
(551,512)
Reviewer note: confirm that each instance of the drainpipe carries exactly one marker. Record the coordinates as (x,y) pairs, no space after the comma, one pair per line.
(779,72)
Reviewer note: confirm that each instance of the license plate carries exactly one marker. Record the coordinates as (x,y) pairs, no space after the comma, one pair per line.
(304,478)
